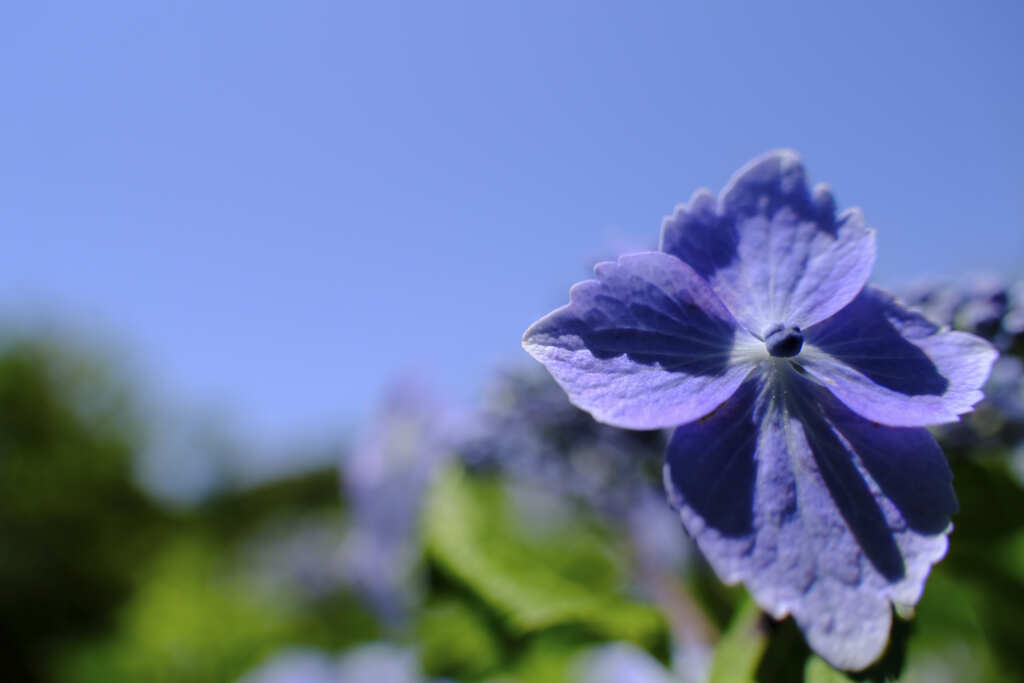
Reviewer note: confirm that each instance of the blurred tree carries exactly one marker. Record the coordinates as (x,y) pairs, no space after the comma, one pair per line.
(74,529)
(199,616)
(98,582)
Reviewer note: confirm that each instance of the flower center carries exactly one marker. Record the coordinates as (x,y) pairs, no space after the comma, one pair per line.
(784,341)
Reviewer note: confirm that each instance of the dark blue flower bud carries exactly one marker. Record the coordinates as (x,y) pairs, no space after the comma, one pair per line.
(784,341)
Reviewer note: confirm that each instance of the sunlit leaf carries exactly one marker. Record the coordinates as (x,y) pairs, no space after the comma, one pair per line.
(533,578)
(739,652)
(819,671)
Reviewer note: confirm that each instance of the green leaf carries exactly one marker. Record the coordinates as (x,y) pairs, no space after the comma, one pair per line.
(561,572)
(455,641)
(739,652)
(819,671)
(193,620)
(549,658)
(966,627)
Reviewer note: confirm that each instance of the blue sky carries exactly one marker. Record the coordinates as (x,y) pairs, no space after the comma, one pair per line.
(278,207)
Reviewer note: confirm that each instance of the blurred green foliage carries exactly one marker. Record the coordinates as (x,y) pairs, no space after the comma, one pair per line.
(564,572)
(195,619)
(99,582)
(457,639)
(74,530)
(741,647)
(555,586)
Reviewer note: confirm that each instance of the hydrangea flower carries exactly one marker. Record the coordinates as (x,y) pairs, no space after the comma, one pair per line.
(798,394)
(385,479)
(528,431)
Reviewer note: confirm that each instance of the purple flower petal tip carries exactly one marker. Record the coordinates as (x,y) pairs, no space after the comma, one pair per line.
(646,345)
(893,366)
(774,251)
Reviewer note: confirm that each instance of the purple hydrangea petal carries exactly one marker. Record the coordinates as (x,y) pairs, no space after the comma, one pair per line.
(774,252)
(893,366)
(646,345)
(822,514)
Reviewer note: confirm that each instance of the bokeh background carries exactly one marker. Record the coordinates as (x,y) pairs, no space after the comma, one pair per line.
(264,269)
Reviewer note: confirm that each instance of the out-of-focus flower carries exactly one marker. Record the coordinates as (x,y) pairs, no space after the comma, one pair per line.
(652,528)
(799,395)
(985,305)
(296,666)
(530,432)
(1013,321)
(621,663)
(373,663)
(379,663)
(385,479)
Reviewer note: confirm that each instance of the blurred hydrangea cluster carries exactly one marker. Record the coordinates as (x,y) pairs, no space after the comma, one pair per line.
(384,480)
(529,431)
(373,663)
